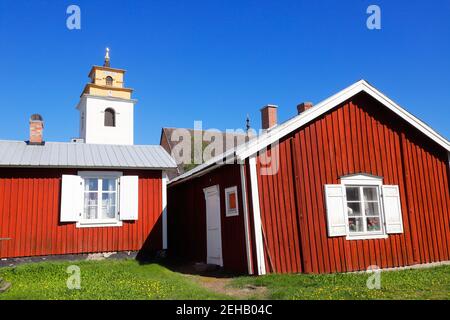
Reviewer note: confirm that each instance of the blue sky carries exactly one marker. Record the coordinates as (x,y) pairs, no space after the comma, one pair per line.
(216,60)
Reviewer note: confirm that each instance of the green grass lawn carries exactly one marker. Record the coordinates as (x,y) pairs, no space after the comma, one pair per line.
(107,279)
(127,279)
(433,283)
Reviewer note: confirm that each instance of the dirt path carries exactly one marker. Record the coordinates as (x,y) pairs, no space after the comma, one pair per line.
(222,286)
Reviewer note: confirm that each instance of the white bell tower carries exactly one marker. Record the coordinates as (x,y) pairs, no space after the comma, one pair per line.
(106,107)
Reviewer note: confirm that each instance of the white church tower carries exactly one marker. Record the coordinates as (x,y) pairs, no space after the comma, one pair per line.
(106,107)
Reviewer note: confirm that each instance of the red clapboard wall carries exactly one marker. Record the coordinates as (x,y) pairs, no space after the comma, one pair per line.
(30,208)
(187,219)
(360,136)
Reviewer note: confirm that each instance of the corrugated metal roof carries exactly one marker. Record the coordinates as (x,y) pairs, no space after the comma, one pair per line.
(83,155)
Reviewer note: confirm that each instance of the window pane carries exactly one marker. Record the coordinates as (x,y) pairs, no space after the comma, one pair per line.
(352,193)
(370,193)
(355,224)
(373,224)
(354,209)
(90,205)
(108,205)
(109,185)
(108,212)
(108,199)
(232,200)
(90,213)
(371,209)
(91,184)
(90,199)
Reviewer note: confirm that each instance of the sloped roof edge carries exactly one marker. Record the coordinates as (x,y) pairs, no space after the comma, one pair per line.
(278,132)
(260,142)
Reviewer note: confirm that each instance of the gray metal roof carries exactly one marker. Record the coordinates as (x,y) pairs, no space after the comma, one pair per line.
(83,155)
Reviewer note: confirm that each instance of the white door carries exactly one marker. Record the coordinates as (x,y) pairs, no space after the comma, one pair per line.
(213,230)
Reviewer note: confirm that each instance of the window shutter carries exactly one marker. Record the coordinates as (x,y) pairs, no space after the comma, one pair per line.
(392,209)
(335,201)
(129,196)
(71,198)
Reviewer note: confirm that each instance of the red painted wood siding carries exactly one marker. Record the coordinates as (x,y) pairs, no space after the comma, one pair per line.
(361,136)
(278,203)
(30,209)
(187,219)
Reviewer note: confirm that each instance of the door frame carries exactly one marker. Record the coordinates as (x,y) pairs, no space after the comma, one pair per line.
(208,191)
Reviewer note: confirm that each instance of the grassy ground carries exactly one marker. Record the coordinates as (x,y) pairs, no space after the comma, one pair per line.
(107,279)
(127,279)
(433,283)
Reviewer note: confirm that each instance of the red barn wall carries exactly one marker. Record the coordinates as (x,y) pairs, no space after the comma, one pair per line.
(359,136)
(30,210)
(187,219)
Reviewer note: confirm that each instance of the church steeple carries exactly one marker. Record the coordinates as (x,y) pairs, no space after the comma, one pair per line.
(106,106)
(107,81)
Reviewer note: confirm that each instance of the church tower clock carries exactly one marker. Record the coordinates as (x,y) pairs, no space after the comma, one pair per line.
(106,107)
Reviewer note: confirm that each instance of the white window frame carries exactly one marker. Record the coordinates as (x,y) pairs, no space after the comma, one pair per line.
(90,223)
(228,211)
(364,180)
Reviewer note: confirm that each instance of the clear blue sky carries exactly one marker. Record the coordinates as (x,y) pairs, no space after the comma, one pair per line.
(216,60)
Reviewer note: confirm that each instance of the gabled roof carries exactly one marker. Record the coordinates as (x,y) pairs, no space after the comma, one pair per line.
(293,124)
(84,155)
(258,143)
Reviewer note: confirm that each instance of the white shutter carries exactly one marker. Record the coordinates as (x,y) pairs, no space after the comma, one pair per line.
(71,198)
(392,209)
(335,201)
(129,196)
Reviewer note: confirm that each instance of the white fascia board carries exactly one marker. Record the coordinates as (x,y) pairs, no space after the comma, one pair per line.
(85,96)
(284,129)
(220,160)
(257,223)
(408,117)
(134,101)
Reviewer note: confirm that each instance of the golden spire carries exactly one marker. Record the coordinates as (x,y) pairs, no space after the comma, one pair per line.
(106,63)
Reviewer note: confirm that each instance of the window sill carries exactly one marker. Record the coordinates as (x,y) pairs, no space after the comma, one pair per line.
(366,236)
(99,224)
(231,214)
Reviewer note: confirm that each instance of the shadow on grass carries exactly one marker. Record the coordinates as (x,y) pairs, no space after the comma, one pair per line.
(183,266)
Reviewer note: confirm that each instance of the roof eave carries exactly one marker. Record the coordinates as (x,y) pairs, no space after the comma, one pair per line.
(284,129)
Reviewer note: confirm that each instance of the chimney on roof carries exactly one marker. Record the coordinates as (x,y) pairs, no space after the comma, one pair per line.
(269,116)
(302,107)
(36,129)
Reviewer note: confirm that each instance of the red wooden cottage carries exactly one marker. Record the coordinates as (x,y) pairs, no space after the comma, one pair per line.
(98,193)
(351,182)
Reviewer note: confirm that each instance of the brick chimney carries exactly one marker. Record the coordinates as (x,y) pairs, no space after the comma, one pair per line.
(269,116)
(36,129)
(304,106)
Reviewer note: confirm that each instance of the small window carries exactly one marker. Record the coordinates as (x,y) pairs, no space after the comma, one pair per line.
(110,118)
(109,81)
(363,209)
(231,202)
(363,205)
(100,198)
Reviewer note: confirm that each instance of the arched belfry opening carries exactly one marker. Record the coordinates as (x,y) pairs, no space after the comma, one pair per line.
(110,118)
(109,81)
